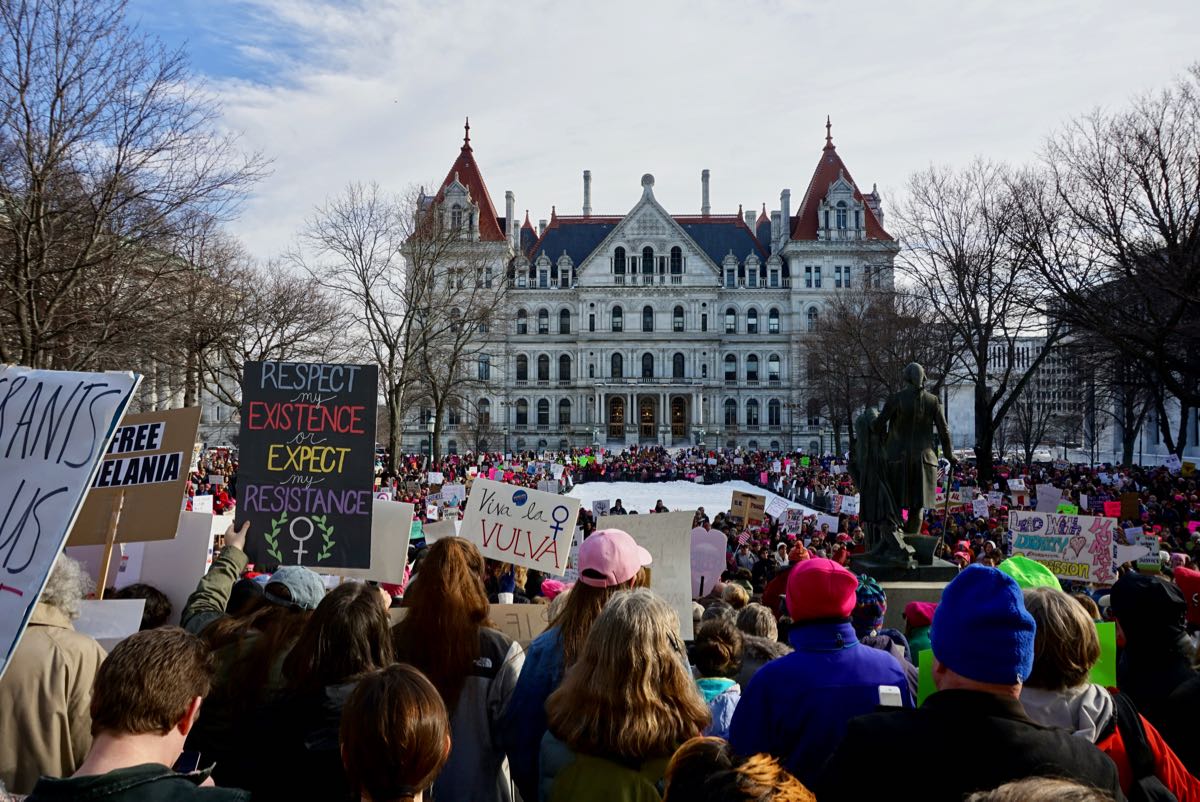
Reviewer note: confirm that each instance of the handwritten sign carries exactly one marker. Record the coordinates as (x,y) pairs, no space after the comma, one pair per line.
(1077,547)
(146,462)
(520,526)
(667,536)
(203,503)
(850,504)
(747,509)
(793,521)
(54,429)
(776,507)
(307,463)
(601,507)
(979,508)
(1048,498)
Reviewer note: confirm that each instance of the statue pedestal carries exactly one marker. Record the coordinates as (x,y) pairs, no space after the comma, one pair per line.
(901,593)
(884,570)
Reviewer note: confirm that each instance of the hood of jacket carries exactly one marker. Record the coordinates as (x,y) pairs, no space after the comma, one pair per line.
(1084,710)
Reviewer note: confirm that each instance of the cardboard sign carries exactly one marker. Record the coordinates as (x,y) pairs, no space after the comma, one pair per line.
(524,527)
(1016,484)
(601,507)
(667,536)
(571,574)
(747,509)
(979,508)
(1076,547)
(391,532)
(1131,506)
(1048,498)
(521,622)
(708,559)
(54,429)
(110,621)
(145,462)
(307,463)
(776,507)
(995,498)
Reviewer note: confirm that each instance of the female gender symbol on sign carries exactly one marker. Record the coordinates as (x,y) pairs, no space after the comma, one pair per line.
(300,550)
(558,522)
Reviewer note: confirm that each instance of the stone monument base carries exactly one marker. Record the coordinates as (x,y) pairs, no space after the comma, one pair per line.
(883,570)
(900,594)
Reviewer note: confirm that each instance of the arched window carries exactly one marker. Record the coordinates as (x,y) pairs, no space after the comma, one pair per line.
(731,321)
(564,321)
(564,412)
(774,413)
(543,368)
(676,261)
(522,412)
(543,412)
(773,368)
(452,447)
(730,412)
(618,366)
(647,365)
(522,322)
(730,369)
(677,366)
(543,321)
(841,214)
(814,412)
(522,368)
(647,261)
(752,322)
(618,319)
(813,318)
(773,321)
(647,318)
(619,262)
(456,216)
(677,319)
(752,413)
(752,368)
(484,412)
(564,369)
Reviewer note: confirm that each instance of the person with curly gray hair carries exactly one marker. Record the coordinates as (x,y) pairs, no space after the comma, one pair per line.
(46,691)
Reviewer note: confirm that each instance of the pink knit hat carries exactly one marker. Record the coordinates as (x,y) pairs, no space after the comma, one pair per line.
(610,557)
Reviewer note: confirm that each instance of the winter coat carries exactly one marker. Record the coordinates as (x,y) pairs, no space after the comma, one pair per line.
(756,653)
(885,643)
(897,745)
(566,776)
(149,782)
(207,602)
(45,700)
(722,696)
(796,708)
(1089,711)
(524,722)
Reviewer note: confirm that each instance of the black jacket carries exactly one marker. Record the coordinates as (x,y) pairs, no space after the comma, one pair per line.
(145,783)
(904,752)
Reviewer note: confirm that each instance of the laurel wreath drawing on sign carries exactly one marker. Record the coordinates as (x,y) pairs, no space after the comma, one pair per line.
(272,537)
(327,541)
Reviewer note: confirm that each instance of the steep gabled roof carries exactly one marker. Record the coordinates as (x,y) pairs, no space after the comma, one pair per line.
(466,171)
(718,235)
(829,168)
(577,236)
(528,235)
(762,228)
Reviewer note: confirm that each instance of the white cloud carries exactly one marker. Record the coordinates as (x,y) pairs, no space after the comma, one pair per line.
(378,90)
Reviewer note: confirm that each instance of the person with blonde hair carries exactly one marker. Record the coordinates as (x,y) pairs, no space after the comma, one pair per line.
(1059,693)
(610,562)
(446,634)
(1041,789)
(623,708)
(707,770)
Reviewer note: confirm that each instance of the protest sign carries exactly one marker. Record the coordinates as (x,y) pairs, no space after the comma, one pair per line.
(391,532)
(710,461)
(667,536)
(601,507)
(434,478)
(556,470)
(1187,469)
(431,511)
(145,462)
(995,498)
(775,466)
(793,521)
(109,621)
(1104,670)
(1173,463)
(548,486)
(777,507)
(1048,498)
(835,502)
(1016,484)
(1083,501)
(54,429)
(307,463)
(571,573)
(850,505)
(521,622)
(747,509)
(454,493)
(979,508)
(925,686)
(524,527)
(213,478)
(708,559)
(436,531)
(1067,509)
(1112,509)
(1131,506)
(203,504)
(1077,547)
(831,520)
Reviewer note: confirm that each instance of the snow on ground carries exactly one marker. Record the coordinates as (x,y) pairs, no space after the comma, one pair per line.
(677,495)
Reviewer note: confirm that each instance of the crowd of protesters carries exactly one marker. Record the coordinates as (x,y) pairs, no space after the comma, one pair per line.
(792,688)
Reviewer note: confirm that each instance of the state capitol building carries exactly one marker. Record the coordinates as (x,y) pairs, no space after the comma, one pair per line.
(656,327)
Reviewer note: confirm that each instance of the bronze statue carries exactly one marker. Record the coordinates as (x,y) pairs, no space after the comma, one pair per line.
(909,418)
(877,509)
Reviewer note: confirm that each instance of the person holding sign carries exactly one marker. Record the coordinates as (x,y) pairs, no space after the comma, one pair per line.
(610,561)
(447,635)
(1058,693)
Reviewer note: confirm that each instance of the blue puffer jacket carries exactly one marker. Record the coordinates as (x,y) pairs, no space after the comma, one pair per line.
(524,721)
(796,707)
(722,697)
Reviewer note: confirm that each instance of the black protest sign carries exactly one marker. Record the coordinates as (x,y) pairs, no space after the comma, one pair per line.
(307,463)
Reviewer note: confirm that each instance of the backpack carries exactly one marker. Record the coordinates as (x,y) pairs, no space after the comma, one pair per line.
(1146,787)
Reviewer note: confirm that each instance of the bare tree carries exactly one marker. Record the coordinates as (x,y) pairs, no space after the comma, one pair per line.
(960,255)
(1029,421)
(106,148)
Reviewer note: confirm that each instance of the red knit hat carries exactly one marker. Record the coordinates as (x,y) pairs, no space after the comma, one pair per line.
(820,588)
(919,613)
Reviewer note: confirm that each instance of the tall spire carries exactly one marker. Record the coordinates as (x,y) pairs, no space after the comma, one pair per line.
(828,133)
(467,133)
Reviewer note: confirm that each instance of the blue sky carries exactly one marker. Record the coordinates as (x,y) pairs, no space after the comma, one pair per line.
(335,92)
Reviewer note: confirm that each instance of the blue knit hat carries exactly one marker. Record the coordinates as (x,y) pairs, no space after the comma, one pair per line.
(870,608)
(982,630)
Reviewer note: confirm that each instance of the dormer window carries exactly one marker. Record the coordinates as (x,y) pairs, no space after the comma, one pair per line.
(456,216)
(841,215)
(730,276)
(619,262)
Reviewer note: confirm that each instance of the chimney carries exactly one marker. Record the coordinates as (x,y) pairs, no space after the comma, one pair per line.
(704,207)
(776,229)
(587,193)
(750,217)
(785,211)
(541,226)
(510,203)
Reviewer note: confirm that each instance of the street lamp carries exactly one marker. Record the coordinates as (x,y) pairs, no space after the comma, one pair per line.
(430,425)
(506,439)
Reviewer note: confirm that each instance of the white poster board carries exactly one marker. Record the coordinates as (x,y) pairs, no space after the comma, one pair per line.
(667,536)
(980,507)
(520,526)
(1048,498)
(202,504)
(54,428)
(1077,547)
(454,493)
(850,504)
(109,621)
(776,507)
(832,520)
(391,529)
(601,507)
